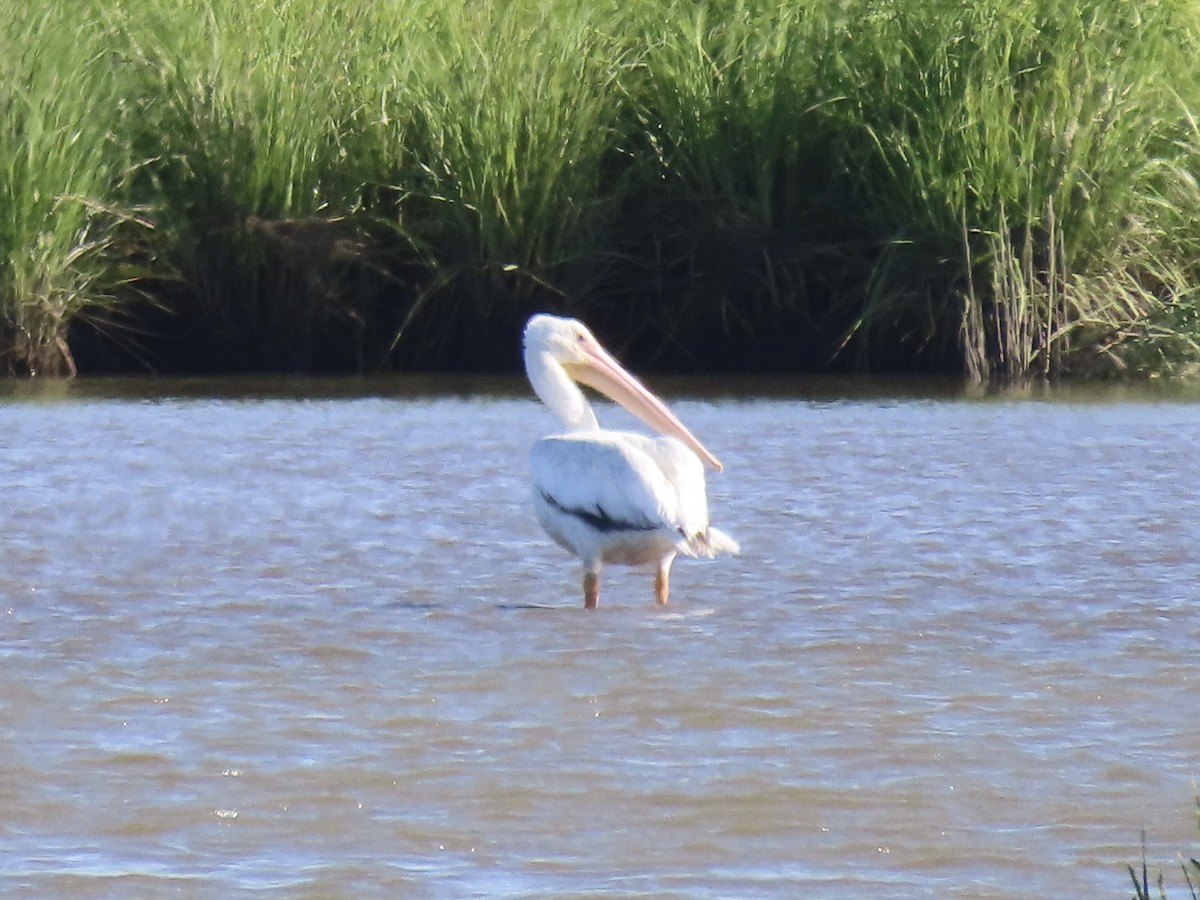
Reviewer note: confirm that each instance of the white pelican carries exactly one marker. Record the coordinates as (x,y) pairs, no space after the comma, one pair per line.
(613,496)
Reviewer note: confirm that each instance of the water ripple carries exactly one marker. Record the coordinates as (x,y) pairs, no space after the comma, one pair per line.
(313,648)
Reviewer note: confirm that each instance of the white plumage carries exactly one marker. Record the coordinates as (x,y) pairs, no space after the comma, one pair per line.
(614,496)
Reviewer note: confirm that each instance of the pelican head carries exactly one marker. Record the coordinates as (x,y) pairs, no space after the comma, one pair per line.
(560,351)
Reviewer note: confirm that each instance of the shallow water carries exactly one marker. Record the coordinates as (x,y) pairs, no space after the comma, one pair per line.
(306,640)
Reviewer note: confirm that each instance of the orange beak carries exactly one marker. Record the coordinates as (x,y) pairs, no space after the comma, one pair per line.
(599,370)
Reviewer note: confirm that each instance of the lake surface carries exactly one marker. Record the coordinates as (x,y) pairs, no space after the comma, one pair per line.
(305,639)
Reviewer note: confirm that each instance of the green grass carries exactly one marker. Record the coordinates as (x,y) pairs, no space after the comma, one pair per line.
(1034,146)
(255,125)
(1006,190)
(511,175)
(60,171)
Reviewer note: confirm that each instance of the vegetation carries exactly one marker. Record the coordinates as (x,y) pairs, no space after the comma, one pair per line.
(1141,876)
(1003,189)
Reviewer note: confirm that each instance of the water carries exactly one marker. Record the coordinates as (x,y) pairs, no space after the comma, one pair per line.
(311,643)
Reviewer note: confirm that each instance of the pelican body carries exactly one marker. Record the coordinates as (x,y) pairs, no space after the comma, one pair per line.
(614,496)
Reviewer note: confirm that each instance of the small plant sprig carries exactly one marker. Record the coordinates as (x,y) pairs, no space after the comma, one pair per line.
(1141,876)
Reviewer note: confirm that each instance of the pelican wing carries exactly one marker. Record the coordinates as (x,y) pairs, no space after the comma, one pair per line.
(604,481)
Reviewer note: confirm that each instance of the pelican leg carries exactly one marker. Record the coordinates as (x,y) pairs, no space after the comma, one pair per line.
(591,589)
(662,581)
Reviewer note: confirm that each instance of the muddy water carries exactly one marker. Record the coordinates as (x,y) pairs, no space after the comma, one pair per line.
(308,641)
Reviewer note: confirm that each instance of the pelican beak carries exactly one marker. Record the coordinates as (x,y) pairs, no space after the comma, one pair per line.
(599,370)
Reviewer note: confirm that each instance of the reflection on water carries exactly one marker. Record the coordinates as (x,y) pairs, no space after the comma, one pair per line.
(307,639)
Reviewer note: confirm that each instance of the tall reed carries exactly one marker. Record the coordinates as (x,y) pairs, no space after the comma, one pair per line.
(1032,145)
(59,165)
(250,119)
(1008,189)
(511,172)
(736,172)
